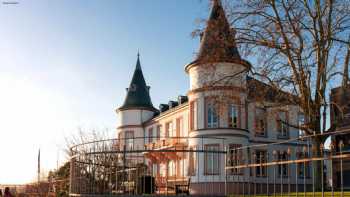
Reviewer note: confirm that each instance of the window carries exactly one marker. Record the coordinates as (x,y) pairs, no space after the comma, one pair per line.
(303,167)
(282,125)
(193,115)
(260,158)
(212,114)
(159,131)
(235,158)
(129,140)
(192,162)
(155,169)
(179,126)
(163,169)
(169,129)
(282,168)
(233,116)
(301,122)
(171,168)
(260,122)
(211,159)
(150,135)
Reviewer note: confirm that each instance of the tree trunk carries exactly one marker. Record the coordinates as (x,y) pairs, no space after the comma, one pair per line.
(317,142)
(317,151)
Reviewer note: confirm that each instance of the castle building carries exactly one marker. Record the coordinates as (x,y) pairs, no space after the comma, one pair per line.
(224,109)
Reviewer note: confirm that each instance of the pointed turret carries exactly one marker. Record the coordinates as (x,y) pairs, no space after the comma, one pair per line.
(218,40)
(138,92)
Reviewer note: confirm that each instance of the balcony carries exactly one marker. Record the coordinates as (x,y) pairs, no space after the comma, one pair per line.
(166,149)
(167,143)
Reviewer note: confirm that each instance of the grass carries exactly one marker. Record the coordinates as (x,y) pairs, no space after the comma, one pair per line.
(301,194)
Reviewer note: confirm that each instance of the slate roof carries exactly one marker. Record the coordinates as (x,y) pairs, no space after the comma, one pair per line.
(137,96)
(218,40)
(258,90)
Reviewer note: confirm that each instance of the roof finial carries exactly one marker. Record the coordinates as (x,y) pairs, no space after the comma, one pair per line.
(138,64)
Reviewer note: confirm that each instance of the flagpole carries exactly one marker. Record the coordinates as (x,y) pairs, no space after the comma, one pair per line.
(39,172)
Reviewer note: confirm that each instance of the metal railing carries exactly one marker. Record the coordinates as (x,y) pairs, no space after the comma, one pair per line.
(203,165)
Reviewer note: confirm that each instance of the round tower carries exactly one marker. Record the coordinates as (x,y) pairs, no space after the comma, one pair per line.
(136,110)
(218,81)
(217,96)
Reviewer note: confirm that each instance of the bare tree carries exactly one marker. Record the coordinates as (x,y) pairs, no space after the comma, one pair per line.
(93,161)
(300,47)
(300,44)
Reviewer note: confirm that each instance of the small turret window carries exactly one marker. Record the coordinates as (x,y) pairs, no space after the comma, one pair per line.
(212,113)
(129,140)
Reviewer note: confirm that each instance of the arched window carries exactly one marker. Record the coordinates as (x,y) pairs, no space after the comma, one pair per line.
(212,113)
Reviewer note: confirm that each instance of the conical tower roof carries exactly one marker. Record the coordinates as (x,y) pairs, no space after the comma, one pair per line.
(138,92)
(218,40)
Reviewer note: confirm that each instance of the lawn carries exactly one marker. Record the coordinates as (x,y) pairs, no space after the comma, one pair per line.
(301,194)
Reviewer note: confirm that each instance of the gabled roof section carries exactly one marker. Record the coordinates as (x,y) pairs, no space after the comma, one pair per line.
(260,91)
(138,92)
(218,40)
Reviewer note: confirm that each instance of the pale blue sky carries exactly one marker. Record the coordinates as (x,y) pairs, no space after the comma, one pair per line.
(65,64)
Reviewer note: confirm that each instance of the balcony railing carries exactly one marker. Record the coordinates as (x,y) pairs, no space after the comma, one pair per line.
(166,143)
